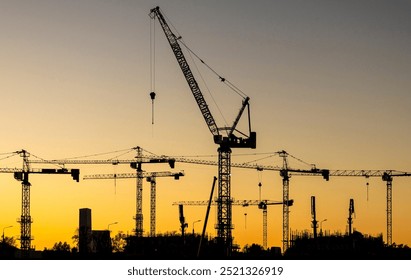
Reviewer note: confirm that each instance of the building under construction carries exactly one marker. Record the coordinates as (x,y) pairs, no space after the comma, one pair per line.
(339,246)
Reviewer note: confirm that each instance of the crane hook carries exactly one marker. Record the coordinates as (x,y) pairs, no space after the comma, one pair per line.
(152,96)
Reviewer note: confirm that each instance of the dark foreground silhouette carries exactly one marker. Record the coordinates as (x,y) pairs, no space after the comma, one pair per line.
(173,246)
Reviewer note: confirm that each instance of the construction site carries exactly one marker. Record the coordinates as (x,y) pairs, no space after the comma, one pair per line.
(151,173)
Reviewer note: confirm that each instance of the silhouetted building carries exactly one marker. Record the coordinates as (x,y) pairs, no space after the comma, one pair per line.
(85,231)
(101,242)
(174,246)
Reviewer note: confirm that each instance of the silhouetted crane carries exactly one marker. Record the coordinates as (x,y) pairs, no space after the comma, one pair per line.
(262,204)
(285,172)
(151,177)
(137,163)
(226,143)
(23,176)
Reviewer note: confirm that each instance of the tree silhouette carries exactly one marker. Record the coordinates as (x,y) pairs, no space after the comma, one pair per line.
(75,238)
(118,242)
(9,241)
(253,249)
(61,247)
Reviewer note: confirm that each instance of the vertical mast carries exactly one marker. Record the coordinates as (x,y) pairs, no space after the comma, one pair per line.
(25,219)
(139,198)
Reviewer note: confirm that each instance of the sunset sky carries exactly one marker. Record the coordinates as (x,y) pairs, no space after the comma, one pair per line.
(328,81)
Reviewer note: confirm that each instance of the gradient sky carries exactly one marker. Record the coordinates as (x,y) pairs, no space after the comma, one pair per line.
(329,82)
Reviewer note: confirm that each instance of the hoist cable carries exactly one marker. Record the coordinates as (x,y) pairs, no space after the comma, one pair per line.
(224,80)
(206,86)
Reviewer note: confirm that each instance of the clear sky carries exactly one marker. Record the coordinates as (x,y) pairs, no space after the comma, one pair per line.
(329,82)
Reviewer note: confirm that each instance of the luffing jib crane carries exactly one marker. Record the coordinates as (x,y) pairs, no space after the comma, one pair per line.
(224,225)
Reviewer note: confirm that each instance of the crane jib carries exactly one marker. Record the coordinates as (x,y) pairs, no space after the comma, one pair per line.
(231,141)
(185,68)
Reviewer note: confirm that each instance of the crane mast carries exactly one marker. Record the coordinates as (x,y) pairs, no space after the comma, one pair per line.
(285,173)
(139,194)
(224,213)
(25,220)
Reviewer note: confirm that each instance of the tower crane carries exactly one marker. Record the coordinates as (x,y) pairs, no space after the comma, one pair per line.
(285,172)
(150,177)
(350,213)
(226,143)
(22,175)
(386,176)
(136,164)
(262,204)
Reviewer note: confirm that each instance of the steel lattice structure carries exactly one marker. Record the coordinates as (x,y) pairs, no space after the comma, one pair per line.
(22,175)
(262,204)
(151,177)
(136,163)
